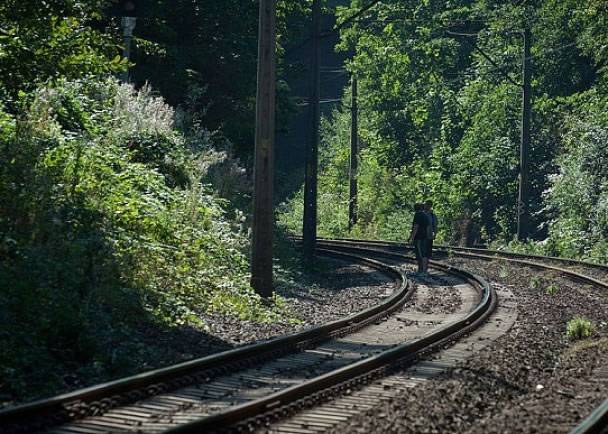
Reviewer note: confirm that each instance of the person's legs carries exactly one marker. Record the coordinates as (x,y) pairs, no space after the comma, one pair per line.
(419,255)
(428,254)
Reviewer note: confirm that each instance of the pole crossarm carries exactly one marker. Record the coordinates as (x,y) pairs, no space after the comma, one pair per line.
(485,56)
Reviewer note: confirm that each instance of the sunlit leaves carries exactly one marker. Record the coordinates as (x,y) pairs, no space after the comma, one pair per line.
(578,196)
(52,40)
(102,160)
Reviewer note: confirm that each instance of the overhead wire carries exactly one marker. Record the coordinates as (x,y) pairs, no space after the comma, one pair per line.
(356,15)
(497,68)
(486,56)
(463,75)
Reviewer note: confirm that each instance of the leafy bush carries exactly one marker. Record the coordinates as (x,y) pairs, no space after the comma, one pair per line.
(578,195)
(105,225)
(503,272)
(579,328)
(551,289)
(575,202)
(536,282)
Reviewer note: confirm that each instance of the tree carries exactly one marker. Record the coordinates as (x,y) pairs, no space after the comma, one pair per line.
(42,41)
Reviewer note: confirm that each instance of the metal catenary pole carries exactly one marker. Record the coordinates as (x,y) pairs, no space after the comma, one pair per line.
(263,216)
(354,155)
(309,229)
(523,206)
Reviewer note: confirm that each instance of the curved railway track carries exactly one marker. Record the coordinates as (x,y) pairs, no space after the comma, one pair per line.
(259,382)
(590,268)
(586,272)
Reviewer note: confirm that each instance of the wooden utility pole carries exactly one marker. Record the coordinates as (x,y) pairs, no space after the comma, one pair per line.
(263,216)
(354,155)
(127,10)
(128,25)
(523,206)
(309,229)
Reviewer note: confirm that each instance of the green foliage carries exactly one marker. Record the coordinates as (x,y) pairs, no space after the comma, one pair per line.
(577,197)
(440,120)
(579,327)
(551,289)
(503,273)
(536,282)
(48,40)
(107,216)
(575,200)
(592,21)
(383,207)
(202,55)
(105,225)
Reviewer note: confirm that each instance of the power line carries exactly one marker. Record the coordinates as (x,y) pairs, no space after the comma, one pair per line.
(498,68)
(332,70)
(356,15)
(329,32)
(551,50)
(306,103)
(534,56)
(415,20)
(487,57)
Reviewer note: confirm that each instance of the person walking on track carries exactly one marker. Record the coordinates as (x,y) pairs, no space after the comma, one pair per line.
(419,237)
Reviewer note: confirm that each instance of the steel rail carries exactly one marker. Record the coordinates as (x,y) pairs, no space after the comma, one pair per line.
(58,409)
(569,261)
(572,274)
(595,423)
(268,406)
(496,255)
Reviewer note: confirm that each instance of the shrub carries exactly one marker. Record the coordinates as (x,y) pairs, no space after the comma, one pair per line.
(579,328)
(536,282)
(105,225)
(503,273)
(551,289)
(577,198)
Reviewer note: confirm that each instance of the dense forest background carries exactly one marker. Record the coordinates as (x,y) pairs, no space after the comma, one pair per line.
(440,116)
(126,205)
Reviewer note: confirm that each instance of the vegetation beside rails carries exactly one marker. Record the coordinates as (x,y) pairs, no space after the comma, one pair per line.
(579,327)
(109,231)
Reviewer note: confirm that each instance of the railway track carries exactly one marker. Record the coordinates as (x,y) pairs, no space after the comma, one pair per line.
(595,423)
(586,272)
(257,383)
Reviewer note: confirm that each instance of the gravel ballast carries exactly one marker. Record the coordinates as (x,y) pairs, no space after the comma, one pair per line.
(337,290)
(532,379)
